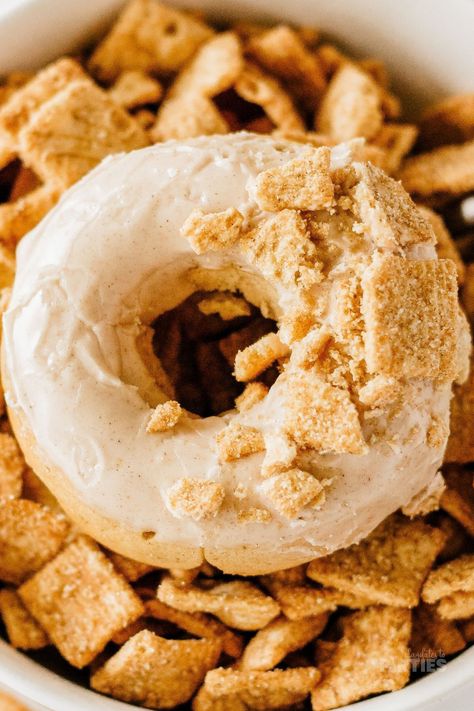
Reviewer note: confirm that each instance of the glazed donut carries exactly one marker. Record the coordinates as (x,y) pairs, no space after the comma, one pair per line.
(370,340)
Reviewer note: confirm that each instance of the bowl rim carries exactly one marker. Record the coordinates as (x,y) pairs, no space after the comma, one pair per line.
(54,692)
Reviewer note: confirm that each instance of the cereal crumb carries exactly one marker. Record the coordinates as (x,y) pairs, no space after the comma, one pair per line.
(236,441)
(291,491)
(254,515)
(254,359)
(196,498)
(218,230)
(437,432)
(388,214)
(321,416)
(165,416)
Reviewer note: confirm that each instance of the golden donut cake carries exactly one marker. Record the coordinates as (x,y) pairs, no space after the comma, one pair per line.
(370,339)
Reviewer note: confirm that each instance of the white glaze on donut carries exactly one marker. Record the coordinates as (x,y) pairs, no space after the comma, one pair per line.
(110,257)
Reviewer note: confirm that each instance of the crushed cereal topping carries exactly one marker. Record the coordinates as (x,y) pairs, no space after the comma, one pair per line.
(236,441)
(165,416)
(196,498)
(216,231)
(301,184)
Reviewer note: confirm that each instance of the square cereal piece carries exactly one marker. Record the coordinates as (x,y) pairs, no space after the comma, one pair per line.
(12,466)
(396,140)
(293,490)
(455,576)
(214,68)
(257,87)
(132,570)
(234,690)
(371,657)
(389,567)
(188,116)
(282,249)
(212,231)
(445,245)
(448,121)
(238,604)
(259,356)
(460,447)
(458,606)
(22,629)
(458,499)
(301,184)
(195,498)
(432,636)
(388,214)
(150,37)
(134,88)
(278,639)
(280,454)
(156,672)
(351,107)
(80,601)
(74,131)
(282,52)
(17,112)
(299,601)
(321,417)
(30,535)
(448,170)
(411,314)
(197,624)
(235,441)
(19,217)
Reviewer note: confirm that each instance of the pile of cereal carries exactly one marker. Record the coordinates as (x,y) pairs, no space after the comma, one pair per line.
(361,621)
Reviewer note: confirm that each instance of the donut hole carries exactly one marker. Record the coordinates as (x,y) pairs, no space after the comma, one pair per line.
(197,352)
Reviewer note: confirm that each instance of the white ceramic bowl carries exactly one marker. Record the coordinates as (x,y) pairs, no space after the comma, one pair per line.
(427,45)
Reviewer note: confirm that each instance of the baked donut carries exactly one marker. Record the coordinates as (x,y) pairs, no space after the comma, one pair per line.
(370,339)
